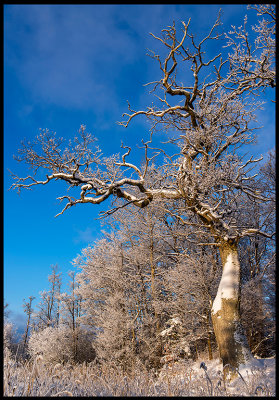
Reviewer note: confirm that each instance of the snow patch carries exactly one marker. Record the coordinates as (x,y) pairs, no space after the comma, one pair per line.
(175,321)
(257,374)
(228,287)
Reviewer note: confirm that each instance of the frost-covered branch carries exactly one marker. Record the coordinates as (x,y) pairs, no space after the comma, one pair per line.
(211,119)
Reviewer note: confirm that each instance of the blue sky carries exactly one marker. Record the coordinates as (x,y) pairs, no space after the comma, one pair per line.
(67,65)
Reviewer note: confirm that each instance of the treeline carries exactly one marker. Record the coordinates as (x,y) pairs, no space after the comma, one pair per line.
(142,295)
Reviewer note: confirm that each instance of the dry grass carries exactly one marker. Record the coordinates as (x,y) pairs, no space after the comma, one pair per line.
(35,378)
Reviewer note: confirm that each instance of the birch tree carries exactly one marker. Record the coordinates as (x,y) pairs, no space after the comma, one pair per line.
(208,117)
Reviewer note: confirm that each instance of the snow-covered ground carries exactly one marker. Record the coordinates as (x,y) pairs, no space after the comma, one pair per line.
(257,378)
(199,378)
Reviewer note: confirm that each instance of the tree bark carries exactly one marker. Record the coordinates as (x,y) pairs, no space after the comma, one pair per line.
(232,343)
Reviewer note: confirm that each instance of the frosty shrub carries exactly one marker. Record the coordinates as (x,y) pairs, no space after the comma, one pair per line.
(7,339)
(57,345)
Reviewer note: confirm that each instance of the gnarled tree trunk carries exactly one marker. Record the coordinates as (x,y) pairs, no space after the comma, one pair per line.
(231,340)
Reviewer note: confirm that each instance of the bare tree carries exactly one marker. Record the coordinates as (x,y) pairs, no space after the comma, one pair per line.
(122,284)
(57,333)
(110,311)
(27,306)
(71,309)
(257,254)
(6,310)
(254,63)
(48,308)
(210,116)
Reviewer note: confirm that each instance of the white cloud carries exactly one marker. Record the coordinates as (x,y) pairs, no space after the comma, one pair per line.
(69,56)
(84,236)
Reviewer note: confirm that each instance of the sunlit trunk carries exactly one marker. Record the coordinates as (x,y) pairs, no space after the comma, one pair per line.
(232,343)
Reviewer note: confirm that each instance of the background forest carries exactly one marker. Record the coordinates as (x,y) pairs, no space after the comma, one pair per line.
(140,299)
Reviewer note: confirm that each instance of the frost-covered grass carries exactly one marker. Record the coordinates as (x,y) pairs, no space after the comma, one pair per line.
(34,378)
